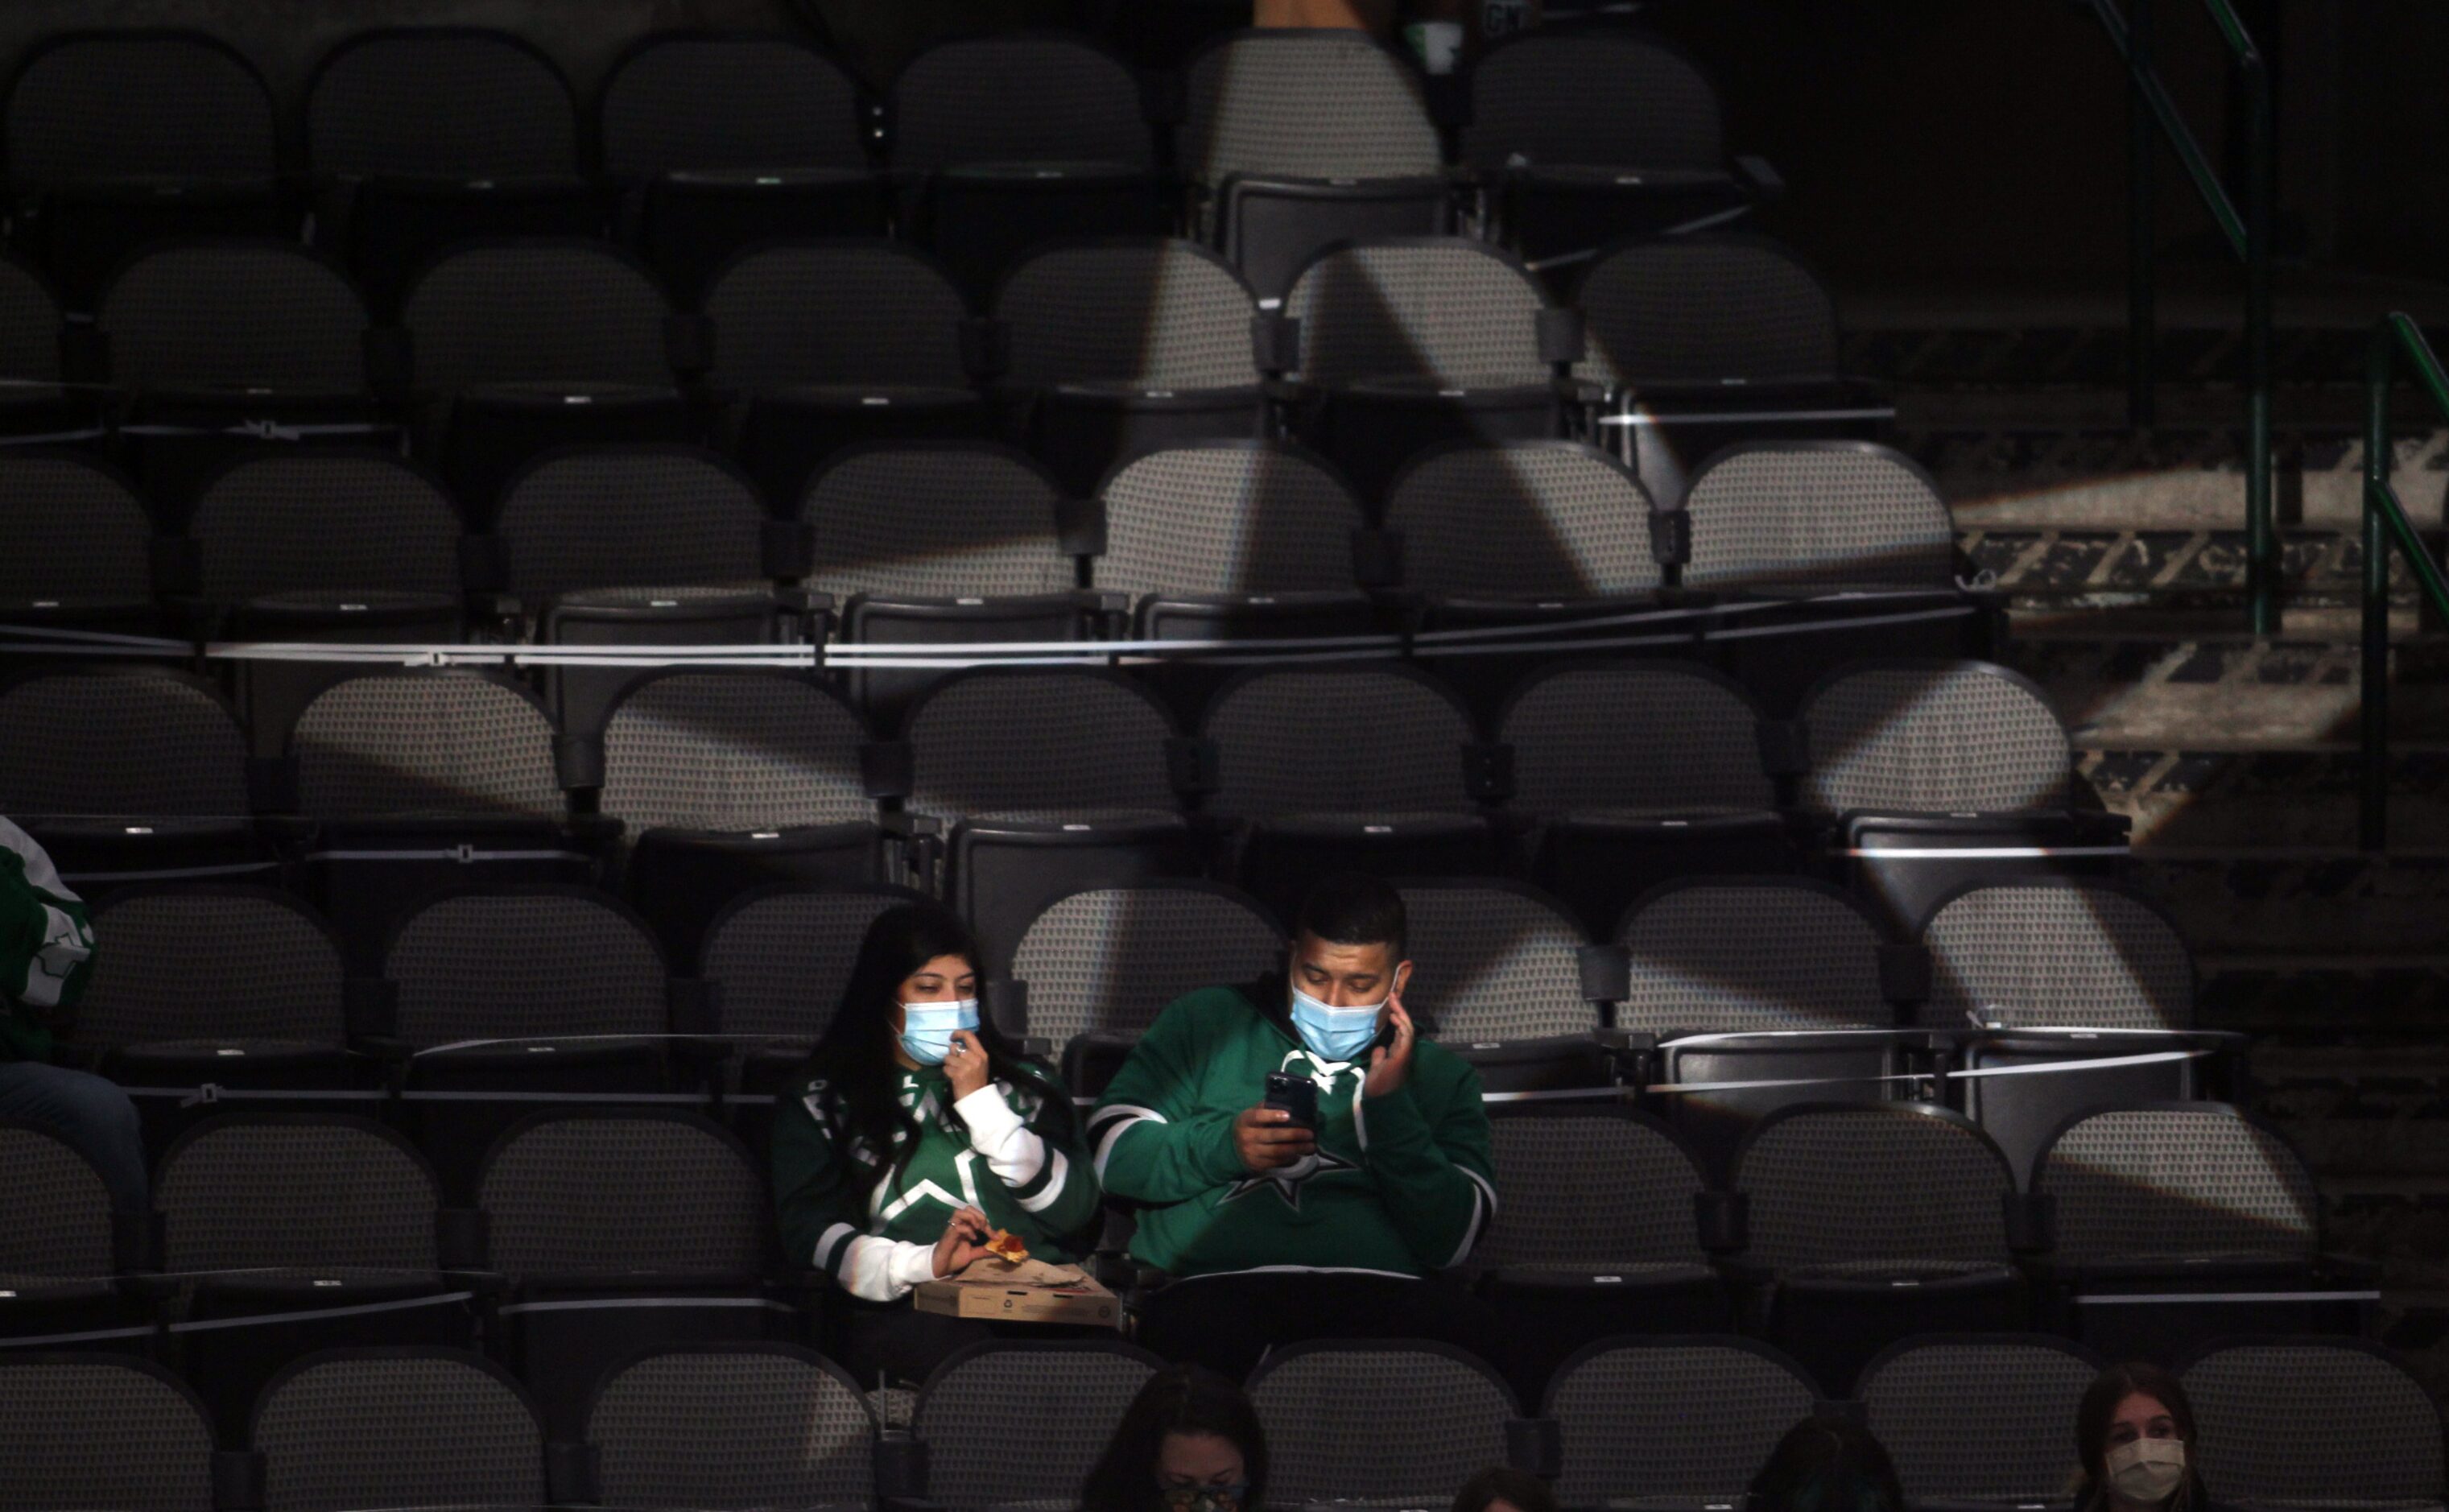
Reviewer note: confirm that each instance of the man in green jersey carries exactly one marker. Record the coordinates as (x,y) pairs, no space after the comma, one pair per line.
(1273,1229)
(45,950)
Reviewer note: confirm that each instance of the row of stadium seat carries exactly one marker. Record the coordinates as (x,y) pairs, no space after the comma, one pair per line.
(1978,1423)
(1604,778)
(1091,350)
(416,138)
(2147,1231)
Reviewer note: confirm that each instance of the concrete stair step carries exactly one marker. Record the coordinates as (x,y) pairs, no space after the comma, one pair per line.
(2241,794)
(2042,568)
(2278,917)
(2130,691)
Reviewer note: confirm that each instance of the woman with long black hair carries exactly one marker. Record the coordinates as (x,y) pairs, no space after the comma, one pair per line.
(1190,1441)
(913,1132)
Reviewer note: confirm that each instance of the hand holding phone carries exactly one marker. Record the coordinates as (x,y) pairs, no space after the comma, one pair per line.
(1296,1095)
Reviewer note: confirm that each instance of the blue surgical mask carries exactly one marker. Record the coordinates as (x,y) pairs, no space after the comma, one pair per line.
(927,1028)
(1333,1033)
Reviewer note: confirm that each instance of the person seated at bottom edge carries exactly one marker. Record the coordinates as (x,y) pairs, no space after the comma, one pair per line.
(1190,1441)
(1503,1489)
(1826,1463)
(913,1132)
(1272,1230)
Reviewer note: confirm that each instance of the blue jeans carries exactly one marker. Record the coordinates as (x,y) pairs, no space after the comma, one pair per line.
(89,1114)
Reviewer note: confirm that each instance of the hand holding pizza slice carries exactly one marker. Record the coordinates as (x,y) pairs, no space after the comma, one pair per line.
(1007,1246)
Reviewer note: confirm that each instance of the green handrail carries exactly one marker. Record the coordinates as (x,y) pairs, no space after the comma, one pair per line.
(2386,525)
(2155,115)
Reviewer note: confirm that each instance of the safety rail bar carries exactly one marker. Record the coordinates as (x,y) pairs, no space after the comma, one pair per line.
(2151,113)
(2385,525)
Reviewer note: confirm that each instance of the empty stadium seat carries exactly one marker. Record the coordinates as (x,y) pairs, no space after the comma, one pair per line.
(730,779)
(107,584)
(1978,1420)
(1635,773)
(1596,1234)
(1702,341)
(949,542)
(228,348)
(1757,980)
(422,138)
(1029,811)
(188,147)
(1098,966)
(1624,1412)
(1406,341)
(1230,540)
(1588,137)
(2176,1223)
(35,346)
(1949,758)
(1120,345)
(419,780)
(1375,766)
(237,987)
(1871,1221)
(730,1427)
(987,1440)
(726,140)
(620,1232)
(650,544)
(100,1430)
(1301,139)
(390,1427)
(323,546)
(1500,977)
(325,1230)
(1381,1423)
(129,774)
(1020,140)
(2056,970)
(520,345)
(2302,1423)
(819,344)
(495,994)
(60,1256)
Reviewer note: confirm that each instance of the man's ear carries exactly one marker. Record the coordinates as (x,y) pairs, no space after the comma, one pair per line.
(1402,977)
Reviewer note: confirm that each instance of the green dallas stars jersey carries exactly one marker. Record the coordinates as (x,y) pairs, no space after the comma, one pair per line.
(994,1149)
(1402,1185)
(45,946)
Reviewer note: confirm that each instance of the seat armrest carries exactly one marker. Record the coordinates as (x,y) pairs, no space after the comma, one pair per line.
(1725,1221)
(901,1470)
(238,1480)
(1766,181)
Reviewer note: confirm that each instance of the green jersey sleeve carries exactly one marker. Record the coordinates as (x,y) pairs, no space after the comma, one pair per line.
(1153,1137)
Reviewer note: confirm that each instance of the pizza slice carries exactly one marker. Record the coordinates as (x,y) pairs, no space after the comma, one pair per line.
(1007,1246)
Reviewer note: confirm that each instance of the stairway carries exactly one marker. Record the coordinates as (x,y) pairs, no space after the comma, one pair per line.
(2236,757)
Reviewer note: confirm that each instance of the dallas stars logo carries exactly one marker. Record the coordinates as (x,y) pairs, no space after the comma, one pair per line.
(1288,1181)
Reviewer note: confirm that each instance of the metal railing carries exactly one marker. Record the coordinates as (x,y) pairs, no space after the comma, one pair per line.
(2386,525)
(2151,114)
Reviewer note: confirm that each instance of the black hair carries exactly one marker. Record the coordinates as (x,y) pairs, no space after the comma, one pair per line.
(1827,1463)
(1351,908)
(1182,1399)
(2098,1410)
(1501,1484)
(854,1054)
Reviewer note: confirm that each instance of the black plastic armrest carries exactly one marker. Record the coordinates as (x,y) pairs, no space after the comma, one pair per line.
(238,1481)
(578,761)
(462,1238)
(1562,341)
(391,364)
(901,1468)
(1192,765)
(1377,558)
(483,567)
(688,345)
(1904,974)
(1785,748)
(570,1473)
(1536,1446)
(1007,1006)
(1670,537)
(696,1008)
(1080,527)
(788,549)
(1275,342)
(986,348)
(1765,181)
(1488,770)
(1607,973)
(1725,1219)
(369,1008)
(2032,1222)
(885,768)
(176,564)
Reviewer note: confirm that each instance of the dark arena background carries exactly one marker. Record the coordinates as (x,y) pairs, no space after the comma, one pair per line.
(608,605)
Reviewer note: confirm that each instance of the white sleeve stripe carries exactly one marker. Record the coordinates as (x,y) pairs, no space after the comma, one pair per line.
(1114,1135)
(65,948)
(1122,1109)
(829,1241)
(1471,1230)
(1486,1190)
(1058,1170)
(882,1269)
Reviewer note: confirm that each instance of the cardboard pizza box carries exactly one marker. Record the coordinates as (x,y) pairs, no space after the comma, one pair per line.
(1032,1292)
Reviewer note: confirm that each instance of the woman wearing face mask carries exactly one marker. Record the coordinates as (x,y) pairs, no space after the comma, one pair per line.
(1190,1441)
(914,1132)
(2135,1436)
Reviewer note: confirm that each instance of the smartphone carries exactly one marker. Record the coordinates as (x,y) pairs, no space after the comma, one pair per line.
(1296,1096)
